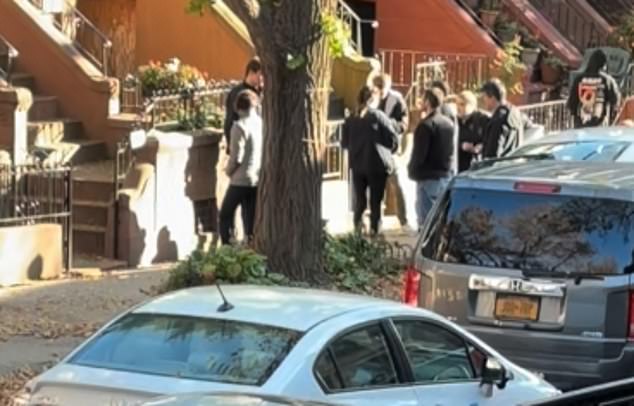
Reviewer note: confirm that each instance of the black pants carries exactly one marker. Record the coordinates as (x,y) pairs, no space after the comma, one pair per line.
(245,197)
(376,183)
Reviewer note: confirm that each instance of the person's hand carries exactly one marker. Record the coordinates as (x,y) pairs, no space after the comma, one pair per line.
(477,149)
(467,146)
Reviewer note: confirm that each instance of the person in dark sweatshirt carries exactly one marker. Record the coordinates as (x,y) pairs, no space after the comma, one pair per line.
(594,95)
(371,139)
(253,80)
(430,164)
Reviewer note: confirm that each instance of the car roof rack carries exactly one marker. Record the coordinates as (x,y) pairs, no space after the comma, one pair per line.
(492,161)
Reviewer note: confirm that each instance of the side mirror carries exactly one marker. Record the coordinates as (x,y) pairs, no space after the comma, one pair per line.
(493,373)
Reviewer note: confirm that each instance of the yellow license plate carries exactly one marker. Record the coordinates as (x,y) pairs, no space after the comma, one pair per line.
(513,307)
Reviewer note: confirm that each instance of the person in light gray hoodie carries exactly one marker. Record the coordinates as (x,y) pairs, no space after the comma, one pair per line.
(243,169)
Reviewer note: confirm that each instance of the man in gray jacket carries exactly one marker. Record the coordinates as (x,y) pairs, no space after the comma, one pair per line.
(243,169)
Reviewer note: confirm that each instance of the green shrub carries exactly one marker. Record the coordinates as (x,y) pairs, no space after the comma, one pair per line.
(353,263)
(227,264)
(356,264)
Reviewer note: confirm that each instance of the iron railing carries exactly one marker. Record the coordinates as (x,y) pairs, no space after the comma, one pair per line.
(36,194)
(335,159)
(86,37)
(354,23)
(553,115)
(581,30)
(168,108)
(461,71)
(7,55)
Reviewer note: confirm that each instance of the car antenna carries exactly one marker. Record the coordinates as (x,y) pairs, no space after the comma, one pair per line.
(225,306)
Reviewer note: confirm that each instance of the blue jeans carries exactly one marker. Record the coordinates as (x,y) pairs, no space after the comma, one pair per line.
(427,191)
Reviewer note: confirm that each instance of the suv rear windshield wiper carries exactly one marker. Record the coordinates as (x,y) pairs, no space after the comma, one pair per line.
(528,157)
(577,276)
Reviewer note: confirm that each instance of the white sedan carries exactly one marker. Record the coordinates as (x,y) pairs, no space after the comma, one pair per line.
(305,344)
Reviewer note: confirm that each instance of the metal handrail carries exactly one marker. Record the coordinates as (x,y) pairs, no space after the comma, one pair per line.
(355,24)
(92,43)
(11,54)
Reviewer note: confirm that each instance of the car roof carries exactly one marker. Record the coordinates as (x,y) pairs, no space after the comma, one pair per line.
(289,308)
(625,134)
(614,175)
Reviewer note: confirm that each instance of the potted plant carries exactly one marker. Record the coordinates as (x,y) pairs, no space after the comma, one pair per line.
(552,68)
(508,67)
(489,11)
(506,30)
(623,35)
(530,48)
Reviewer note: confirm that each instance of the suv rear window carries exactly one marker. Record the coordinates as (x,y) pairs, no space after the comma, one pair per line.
(190,348)
(532,232)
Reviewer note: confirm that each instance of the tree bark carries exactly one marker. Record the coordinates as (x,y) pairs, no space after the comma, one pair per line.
(295,107)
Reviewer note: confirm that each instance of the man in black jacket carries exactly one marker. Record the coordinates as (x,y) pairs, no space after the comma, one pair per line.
(506,127)
(432,154)
(392,103)
(252,81)
(370,138)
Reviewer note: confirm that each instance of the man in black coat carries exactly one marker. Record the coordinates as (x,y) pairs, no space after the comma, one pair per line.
(432,154)
(252,81)
(506,127)
(393,104)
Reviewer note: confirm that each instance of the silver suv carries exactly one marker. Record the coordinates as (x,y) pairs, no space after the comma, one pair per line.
(536,258)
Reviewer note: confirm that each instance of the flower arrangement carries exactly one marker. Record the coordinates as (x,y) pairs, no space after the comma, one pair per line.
(171,76)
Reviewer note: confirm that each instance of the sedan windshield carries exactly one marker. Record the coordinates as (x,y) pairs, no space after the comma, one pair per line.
(190,348)
(602,151)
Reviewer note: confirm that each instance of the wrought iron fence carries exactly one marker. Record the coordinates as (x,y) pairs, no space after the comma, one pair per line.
(36,194)
(7,54)
(461,70)
(189,105)
(553,115)
(86,37)
(578,28)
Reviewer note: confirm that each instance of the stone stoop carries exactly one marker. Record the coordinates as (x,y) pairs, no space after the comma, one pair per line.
(58,137)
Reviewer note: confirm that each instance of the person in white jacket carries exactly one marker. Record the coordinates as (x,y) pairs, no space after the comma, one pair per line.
(243,168)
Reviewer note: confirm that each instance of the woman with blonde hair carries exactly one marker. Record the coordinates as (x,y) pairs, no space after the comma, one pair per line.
(472,125)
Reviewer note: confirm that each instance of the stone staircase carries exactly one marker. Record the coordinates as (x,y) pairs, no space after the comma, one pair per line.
(54,137)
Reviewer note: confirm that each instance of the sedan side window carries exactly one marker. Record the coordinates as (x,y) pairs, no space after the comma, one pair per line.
(436,354)
(361,359)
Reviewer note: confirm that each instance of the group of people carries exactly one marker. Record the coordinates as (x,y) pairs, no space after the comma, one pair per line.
(451,134)
(243,131)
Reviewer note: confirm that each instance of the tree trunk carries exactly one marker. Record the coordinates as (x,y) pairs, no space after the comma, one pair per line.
(295,108)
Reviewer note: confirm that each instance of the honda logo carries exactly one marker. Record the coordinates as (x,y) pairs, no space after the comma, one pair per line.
(516,285)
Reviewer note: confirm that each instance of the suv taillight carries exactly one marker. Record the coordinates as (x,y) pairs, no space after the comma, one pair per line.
(630,318)
(411,286)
